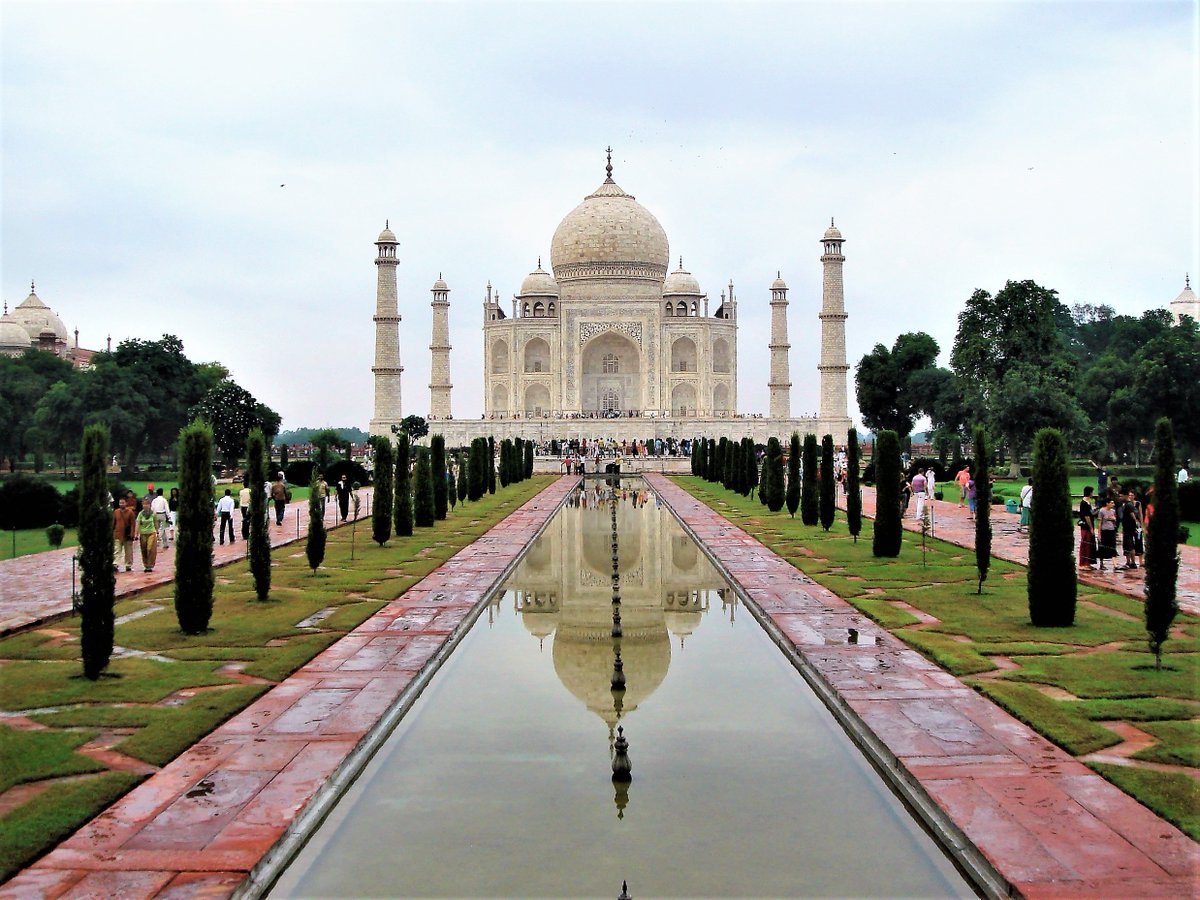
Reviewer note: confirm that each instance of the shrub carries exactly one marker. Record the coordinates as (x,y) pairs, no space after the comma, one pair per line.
(55,534)
(97,580)
(926,463)
(1162,557)
(1189,500)
(194,578)
(29,503)
(887,535)
(314,546)
(300,471)
(1051,582)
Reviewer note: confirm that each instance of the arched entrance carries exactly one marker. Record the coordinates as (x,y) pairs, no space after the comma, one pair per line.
(610,376)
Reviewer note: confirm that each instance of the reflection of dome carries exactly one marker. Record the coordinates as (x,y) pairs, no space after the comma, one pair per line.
(609,234)
(585,667)
(681,282)
(682,613)
(538,283)
(14,339)
(36,317)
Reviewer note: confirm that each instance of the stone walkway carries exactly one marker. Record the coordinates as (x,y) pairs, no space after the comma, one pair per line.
(201,825)
(954,524)
(37,587)
(1046,824)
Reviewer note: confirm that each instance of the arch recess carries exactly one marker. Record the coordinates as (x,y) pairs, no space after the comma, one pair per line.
(537,356)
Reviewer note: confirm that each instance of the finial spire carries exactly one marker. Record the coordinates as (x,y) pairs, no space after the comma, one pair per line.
(608,168)
(831,221)
(439,276)
(387,223)
(1187,281)
(6,307)
(32,289)
(539,262)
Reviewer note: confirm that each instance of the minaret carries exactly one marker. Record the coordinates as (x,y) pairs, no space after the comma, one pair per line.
(387,368)
(439,353)
(781,380)
(834,413)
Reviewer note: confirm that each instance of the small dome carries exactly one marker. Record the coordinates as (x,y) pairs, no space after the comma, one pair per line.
(539,283)
(832,233)
(1186,304)
(14,339)
(440,285)
(36,317)
(386,237)
(778,284)
(681,281)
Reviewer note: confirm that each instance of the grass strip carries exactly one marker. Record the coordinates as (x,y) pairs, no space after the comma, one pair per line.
(33,755)
(1055,719)
(172,730)
(1172,795)
(1178,743)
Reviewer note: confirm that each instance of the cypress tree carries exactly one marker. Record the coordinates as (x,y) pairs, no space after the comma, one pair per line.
(98,580)
(717,471)
(403,511)
(505,461)
(194,578)
(1051,583)
(283,457)
(423,491)
(853,491)
(694,461)
(701,446)
(828,498)
(727,477)
(491,466)
(809,513)
(750,461)
(260,541)
(437,467)
(888,535)
(529,459)
(983,506)
(314,546)
(517,462)
(477,481)
(381,512)
(463,487)
(451,487)
(734,482)
(1162,557)
(793,472)
(774,475)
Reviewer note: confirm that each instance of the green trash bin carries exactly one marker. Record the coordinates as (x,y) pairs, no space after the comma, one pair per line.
(1010,505)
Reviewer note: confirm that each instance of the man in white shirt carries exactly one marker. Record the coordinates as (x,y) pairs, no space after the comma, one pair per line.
(225,513)
(918,486)
(1182,477)
(162,517)
(1026,506)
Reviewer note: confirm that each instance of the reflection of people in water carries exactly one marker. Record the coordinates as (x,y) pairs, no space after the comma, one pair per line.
(599,497)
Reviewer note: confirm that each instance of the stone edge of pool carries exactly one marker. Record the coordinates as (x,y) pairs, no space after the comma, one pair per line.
(1018,814)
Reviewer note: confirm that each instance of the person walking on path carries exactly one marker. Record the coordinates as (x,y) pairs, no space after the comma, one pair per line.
(279,495)
(244,506)
(162,516)
(1108,531)
(124,528)
(970,492)
(322,493)
(919,484)
(1182,477)
(225,513)
(147,529)
(173,509)
(1026,506)
(343,497)
(1131,528)
(1087,530)
(963,476)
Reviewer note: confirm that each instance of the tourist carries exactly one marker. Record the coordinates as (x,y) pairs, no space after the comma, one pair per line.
(1102,475)
(1108,530)
(343,497)
(147,529)
(906,492)
(1026,506)
(963,476)
(1087,531)
(279,496)
(322,492)
(162,516)
(124,528)
(173,509)
(970,492)
(244,505)
(1131,530)
(919,486)
(225,513)
(1182,477)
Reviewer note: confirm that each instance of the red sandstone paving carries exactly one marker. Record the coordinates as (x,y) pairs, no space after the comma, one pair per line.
(199,825)
(1047,823)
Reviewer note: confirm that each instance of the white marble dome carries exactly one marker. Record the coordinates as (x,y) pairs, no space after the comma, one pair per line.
(539,283)
(387,236)
(14,339)
(36,317)
(681,281)
(609,234)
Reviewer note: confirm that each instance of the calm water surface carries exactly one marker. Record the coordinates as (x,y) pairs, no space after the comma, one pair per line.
(498,782)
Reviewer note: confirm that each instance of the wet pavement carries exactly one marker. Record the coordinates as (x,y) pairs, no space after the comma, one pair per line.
(203,822)
(1048,825)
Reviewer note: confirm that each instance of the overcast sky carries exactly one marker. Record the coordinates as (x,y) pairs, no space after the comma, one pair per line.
(220,171)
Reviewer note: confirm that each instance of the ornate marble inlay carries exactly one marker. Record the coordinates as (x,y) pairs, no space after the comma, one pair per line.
(589,330)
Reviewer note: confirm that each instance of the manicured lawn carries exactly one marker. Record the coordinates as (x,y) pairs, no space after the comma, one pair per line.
(24,541)
(1102,663)
(166,700)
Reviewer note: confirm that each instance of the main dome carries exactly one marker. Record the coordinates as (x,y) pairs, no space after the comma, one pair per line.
(609,235)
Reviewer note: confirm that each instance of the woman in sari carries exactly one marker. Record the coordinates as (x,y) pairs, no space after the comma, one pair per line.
(1087,531)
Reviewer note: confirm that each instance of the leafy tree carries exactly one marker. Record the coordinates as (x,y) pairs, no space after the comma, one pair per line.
(24,380)
(314,546)
(325,441)
(1167,380)
(415,427)
(437,466)
(160,371)
(886,382)
(385,472)
(404,498)
(1162,557)
(194,577)
(1010,351)
(423,513)
(793,475)
(983,506)
(1051,581)
(98,581)
(774,475)
(828,487)
(58,420)
(888,534)
(260,541)
(232,412)
(853,491)
(809,476)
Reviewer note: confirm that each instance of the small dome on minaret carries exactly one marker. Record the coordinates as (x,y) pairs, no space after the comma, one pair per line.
(386,236)
(779,284)
(440,285)
(832,233)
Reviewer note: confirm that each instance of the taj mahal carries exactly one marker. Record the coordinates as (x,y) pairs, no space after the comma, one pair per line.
(611,344)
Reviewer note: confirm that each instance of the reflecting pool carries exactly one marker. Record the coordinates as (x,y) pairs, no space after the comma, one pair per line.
(498,782)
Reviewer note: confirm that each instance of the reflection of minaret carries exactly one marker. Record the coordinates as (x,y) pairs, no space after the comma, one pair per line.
(387,368)
(781,380)
(833,368)
(439,348)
